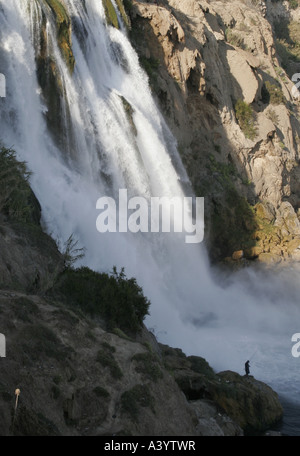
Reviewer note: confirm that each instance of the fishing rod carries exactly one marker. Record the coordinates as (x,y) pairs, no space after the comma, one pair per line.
(250,359)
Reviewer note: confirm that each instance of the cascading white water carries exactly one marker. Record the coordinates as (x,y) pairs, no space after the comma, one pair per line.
(255,314)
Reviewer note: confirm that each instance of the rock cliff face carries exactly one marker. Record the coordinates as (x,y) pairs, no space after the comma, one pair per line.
(76,378)
(221,72)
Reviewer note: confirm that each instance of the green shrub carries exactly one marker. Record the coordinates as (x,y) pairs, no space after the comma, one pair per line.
(294,31)
(273,116)
(71,253)
(288,44)
(118,332)
(201,366)
(294,4)
(127,5)
(118,300)
(147,364)
(133,399)
(16,197)
(150,65)
(106,359)
(272,93)
(225,172)
(245,117)
(234,39)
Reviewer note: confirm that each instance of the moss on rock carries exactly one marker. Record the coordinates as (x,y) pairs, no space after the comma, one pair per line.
(50,82)
(111,15)
(64,34)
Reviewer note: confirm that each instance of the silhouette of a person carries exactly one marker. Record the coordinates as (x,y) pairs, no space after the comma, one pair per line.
(247,367)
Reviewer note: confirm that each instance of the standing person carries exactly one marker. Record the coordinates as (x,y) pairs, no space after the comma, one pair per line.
(247,368)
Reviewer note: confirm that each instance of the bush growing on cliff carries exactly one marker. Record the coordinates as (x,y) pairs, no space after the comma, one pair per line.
(135,398)
(16,198)
(115,298)
(106,358)
(294,4)
(245,117)
(148,365)
(272,93)
(235,39)
(288,44)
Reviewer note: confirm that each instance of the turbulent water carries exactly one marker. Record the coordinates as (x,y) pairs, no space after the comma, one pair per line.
(249,316)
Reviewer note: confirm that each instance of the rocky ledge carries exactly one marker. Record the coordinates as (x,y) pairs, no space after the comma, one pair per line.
(75,378)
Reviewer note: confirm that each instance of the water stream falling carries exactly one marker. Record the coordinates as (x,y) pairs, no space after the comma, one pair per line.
(252,316)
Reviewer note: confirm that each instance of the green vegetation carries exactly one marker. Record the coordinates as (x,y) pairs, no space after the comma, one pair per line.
(235,39)
(118,332)
(282,145)
(288,44)
(294,3)
(110,13)
(122,9)
(59,10)
(232,220)
(271,114)
(245,117)
(150,65)
(272,93)
(106,358)
(147,364)
(224,172)
(232,224)
(63,26)
(71,253)
(118,300)
(201,366)
(127,5)
(16,197)
(135,398)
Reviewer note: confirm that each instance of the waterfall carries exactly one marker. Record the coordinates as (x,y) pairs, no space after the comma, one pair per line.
(99,150)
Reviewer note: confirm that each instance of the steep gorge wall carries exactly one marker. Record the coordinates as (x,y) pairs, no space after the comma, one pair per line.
(202,58)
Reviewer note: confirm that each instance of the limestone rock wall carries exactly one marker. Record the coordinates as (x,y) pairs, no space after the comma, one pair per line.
(206,56)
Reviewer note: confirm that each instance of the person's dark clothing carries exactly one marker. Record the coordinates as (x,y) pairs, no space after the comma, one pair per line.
(247,367)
